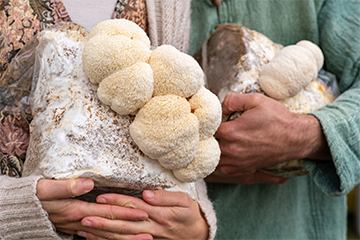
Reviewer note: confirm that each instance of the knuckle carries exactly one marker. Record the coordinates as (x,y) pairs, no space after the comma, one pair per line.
(123,229)
(233,149)
(72,187)
(167,223)
(110,213)
(129,204)
(109,235)
(257,97)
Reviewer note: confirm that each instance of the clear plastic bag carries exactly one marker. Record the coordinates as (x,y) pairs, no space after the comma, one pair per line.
(74,135)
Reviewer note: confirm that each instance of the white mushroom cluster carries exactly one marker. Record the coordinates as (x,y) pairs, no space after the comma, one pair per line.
(292,69)
(176,116)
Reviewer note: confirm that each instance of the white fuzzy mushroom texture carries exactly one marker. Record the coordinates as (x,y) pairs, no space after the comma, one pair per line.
(127,90)
(175,72)
(206,159)
(166,130)
(103,55)
(292,69)
(123,27)
(207,108)
(315,50)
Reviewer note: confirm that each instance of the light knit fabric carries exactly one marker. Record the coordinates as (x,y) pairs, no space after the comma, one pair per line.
(169,23)
(21,213)
(207,208)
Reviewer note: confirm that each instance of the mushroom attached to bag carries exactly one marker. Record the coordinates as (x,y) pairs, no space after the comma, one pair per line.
(258,65)
(116,56)
(291,69)
(176,116)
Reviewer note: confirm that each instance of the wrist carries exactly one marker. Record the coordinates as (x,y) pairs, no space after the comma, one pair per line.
(313,144)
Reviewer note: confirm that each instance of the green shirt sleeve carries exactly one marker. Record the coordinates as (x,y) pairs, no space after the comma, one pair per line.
(339,35)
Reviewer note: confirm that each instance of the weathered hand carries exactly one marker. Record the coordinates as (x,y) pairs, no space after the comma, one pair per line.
(267,133)
(241,177)
(66,213)
(172,215)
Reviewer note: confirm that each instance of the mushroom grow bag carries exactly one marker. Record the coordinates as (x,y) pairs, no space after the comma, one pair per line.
(74,135)
(232,58)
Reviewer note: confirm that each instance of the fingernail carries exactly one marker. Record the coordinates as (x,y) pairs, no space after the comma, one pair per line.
(149,194)
(82,234)
(87,223)
(101,200)
(88,184)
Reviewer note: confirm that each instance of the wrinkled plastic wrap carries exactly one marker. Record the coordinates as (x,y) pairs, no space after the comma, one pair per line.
(74,135)
(232,58)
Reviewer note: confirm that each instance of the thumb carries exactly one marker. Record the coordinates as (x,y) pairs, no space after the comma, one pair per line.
(59,189)
(235,102)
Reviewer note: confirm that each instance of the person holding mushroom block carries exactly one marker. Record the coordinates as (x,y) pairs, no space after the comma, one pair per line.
(37,208)
(250,203)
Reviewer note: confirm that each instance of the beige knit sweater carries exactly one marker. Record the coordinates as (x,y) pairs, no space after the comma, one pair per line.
(21,214)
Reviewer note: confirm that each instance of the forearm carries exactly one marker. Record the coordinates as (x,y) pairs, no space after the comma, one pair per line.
(21,213)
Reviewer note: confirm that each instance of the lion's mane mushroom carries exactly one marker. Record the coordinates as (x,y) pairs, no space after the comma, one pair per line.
(315,50)
(120,27)
(103,55)
(116,56)
(164,88)
(292,69)
(126,91)
(166,130)
(207,108)
(206,159)
(175,72)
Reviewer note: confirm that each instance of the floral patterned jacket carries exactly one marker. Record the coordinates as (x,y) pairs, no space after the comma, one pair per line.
(20,20)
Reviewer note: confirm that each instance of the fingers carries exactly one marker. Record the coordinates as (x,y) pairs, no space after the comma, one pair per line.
(72,210)
(257,177)
(122,200)
(234,170)
(234,102)
(90,236)
(166,199)
(48,190)
(112,229)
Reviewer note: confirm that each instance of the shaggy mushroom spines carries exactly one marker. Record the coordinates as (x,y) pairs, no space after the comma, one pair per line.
(162,87)
(291,69)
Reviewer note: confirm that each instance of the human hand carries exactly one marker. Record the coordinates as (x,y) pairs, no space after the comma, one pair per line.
(241,177)
(66,213)
(172,215)
(267,133)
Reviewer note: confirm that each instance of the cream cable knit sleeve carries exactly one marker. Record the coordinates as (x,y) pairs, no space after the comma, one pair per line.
(169,23)
(21,213)
(206,207)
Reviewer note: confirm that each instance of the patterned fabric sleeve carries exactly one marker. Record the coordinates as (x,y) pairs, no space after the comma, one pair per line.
(20,20)
(133,10)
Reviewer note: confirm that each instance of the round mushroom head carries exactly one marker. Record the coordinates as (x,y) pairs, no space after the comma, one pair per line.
(206,159)
(292,69)
(175,72)
(123,27)
(103,55)
(166,130)
(315,50)
(126,91)
(207,108)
